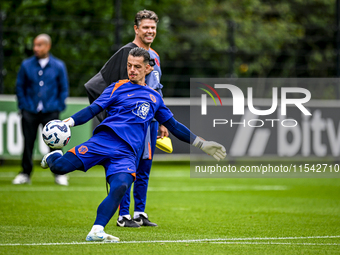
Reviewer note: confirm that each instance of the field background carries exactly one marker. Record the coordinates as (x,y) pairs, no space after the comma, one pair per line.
(195,216)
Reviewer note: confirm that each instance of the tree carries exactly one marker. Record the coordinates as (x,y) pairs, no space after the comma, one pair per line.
(293,38)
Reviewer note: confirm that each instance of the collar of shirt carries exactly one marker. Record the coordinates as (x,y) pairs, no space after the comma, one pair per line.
(43,62)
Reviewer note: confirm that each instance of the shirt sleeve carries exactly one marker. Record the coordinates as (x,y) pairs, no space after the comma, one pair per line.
(107,97)
(180,131)
(20,88)
(63,85)
(163,113)
(152,81)
(86,114)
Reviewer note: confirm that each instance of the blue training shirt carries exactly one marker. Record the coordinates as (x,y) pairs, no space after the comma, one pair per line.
(153,80)
(131,108)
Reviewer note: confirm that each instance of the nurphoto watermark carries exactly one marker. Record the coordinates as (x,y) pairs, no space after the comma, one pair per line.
(284,128)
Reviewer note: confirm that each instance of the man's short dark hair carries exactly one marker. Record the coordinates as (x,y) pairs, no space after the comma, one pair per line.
(145,14)
(140,52)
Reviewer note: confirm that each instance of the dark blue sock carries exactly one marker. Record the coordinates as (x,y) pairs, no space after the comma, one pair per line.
(64,164)
(119,183)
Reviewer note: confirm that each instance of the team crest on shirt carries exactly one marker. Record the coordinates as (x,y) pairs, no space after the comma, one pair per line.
(142,109)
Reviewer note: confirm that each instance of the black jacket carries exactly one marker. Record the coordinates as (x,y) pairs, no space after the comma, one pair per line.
(114,69)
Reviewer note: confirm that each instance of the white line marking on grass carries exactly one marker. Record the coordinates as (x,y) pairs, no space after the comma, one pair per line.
(152,189)
(265,243)
(40,189)
(221,188)
(216,240)
(47,174)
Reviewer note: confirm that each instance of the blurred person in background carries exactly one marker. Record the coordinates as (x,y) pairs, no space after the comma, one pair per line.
(145,27)
(41,89)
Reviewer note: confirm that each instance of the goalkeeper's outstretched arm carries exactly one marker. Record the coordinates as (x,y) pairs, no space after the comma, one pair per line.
(177,129)
(83,115)
(184,134)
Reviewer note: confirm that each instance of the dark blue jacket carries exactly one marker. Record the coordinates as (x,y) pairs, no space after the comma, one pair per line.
(49,85)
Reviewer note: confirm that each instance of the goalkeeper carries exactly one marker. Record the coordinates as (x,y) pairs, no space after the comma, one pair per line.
(118,141)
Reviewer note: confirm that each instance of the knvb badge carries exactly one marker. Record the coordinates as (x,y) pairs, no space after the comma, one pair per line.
(142,109)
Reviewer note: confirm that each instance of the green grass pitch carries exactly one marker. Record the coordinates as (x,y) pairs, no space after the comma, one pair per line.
(195,216)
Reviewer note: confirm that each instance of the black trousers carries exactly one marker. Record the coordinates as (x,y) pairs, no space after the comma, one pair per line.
(30,123)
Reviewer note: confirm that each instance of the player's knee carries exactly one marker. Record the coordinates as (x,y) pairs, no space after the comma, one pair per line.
(120,183)
(124,187)
(57,168)
(61,167)
(120,189)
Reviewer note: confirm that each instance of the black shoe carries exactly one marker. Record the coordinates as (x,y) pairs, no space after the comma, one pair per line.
(143,220)
(127,222)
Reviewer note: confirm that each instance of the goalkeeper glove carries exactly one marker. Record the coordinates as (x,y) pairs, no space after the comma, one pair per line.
(69,121)
(211,148)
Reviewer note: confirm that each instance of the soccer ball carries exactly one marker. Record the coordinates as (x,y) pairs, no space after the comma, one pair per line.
(56,134)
